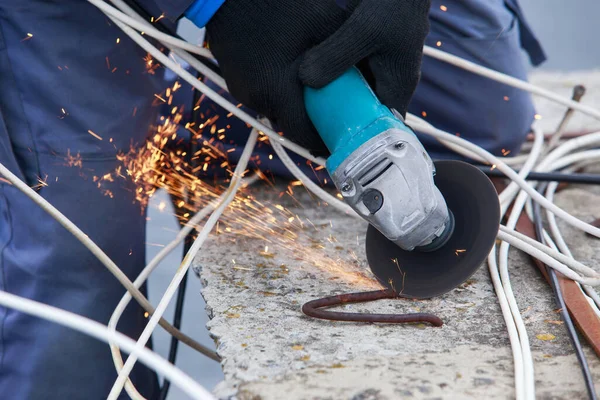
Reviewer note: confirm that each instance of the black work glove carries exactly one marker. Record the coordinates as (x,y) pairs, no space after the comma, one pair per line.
(267,50)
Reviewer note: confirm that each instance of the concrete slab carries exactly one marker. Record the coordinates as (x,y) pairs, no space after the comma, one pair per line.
(269,347)
(257,277)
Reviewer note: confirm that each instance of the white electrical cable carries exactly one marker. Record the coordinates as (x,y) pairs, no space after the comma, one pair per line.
(511,327)
(524,361)
(528,368)
(528,391)
(511,174)
(529,245)
(101,332)
(511,191)
(589,140)
(139,281)
(525,351)
(310,185)
(236,181)
(519,339)
(97,252)
(150,30)
(589,292)
(508,80)
(567,266)
(143,276)
(570,159)
(185,56)
(548,240)
(417,123)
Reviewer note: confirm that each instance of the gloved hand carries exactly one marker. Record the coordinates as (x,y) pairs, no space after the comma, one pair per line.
(269,49)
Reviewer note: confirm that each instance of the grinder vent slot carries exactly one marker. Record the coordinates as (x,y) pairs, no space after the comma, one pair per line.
(375,172)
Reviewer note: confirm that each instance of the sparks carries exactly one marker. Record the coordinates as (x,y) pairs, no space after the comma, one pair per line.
(94,134)
(41,183)
(159,165)
(73,160)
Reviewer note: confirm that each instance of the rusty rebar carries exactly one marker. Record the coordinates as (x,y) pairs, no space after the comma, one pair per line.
(578,93)
(314,309)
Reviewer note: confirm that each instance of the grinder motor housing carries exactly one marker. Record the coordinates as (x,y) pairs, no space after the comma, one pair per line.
(378,164)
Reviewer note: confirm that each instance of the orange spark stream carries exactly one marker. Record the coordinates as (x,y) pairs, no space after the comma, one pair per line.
(160,165)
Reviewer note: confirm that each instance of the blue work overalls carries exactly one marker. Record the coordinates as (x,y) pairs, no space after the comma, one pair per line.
(66,79)
(63,76)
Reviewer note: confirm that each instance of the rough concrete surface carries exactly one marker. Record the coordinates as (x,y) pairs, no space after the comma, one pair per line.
(271,350)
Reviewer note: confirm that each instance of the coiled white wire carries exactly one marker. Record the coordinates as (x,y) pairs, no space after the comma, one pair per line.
(562,262)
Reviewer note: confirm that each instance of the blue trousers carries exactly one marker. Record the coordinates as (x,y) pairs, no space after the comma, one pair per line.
(68,78)
(70,88)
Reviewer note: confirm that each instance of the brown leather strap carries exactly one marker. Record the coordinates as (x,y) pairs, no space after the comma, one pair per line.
(580,309)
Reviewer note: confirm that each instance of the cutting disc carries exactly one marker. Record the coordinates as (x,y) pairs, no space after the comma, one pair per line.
(473,201)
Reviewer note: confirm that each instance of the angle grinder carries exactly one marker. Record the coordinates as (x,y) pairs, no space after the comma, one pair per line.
(431,224)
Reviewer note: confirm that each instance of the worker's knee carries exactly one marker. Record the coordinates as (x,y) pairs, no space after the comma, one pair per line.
(506,129)
(490,114)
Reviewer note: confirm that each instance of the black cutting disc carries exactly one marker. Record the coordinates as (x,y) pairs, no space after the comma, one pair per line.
(473,201)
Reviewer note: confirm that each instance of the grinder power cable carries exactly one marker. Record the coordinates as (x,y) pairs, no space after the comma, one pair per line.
(431,224)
